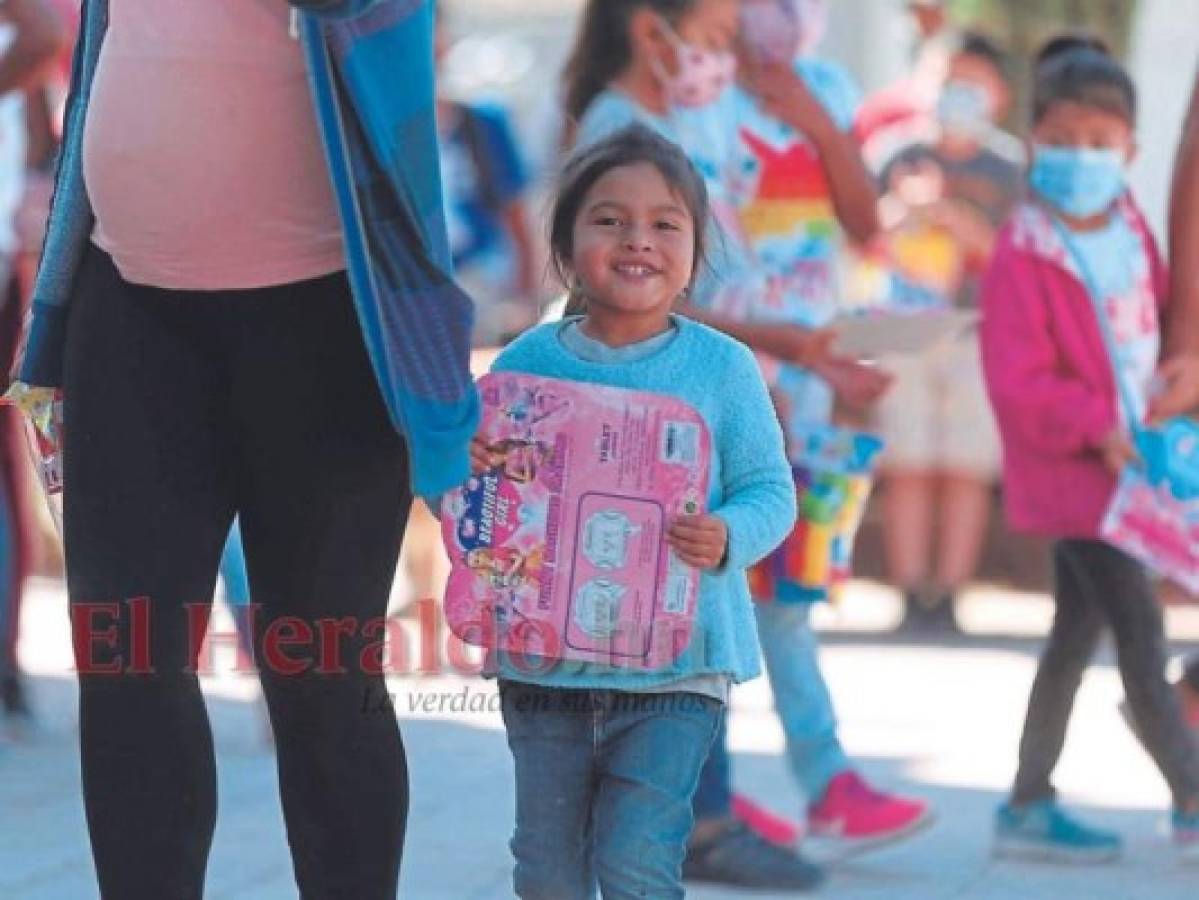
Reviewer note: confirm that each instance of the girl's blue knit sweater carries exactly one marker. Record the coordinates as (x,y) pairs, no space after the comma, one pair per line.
(751,489)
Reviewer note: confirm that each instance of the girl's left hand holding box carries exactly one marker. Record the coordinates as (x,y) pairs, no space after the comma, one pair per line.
(700,541)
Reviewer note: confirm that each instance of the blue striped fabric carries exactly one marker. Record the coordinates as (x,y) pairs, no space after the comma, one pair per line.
(371,67)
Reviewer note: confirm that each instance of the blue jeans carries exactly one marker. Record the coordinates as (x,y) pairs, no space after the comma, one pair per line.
(804,707)
(603,789)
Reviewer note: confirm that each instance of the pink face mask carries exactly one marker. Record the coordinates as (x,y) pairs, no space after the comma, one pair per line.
(770,29)
(702,75)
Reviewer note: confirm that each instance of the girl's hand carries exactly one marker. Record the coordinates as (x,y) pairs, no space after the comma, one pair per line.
(480,456)
(856,385)
(699,541)
(1118,450)
(783,94)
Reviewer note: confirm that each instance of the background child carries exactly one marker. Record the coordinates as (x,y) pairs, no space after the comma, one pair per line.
(607,759)
(800,188)
(947,195)
(485,179)
(1080,249)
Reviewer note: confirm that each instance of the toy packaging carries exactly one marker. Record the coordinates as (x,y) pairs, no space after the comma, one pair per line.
(42,411)
(558,549)
(1154,515)
(834,475)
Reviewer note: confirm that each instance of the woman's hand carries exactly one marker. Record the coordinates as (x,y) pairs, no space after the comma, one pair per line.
(699,541)
(794,344)
(1118,450)
(1179,393)
(857,386)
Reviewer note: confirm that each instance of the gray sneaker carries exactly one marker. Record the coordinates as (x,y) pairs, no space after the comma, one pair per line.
(738,857)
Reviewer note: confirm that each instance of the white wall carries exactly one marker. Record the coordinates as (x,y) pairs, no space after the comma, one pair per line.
(873,38)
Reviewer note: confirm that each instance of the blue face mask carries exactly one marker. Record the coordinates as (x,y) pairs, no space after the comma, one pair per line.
(1078,181)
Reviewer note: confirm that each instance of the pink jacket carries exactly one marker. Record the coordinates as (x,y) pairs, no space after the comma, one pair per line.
(1049,377)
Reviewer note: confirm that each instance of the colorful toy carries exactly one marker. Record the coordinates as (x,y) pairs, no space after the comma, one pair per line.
(1148,521)
(833,470)
(1170,453)
(42,411)
(558,549)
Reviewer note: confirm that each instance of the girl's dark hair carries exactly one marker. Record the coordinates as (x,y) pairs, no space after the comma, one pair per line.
(602,49)
(1080,69)
(627,147)
(1061,44)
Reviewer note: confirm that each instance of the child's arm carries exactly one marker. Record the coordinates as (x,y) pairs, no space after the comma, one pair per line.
(857,385)
(759,494)
(1032,398)
(794,344)
(783,94)
(38,37)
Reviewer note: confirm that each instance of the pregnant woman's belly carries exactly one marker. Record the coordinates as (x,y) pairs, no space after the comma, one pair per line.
(202,157)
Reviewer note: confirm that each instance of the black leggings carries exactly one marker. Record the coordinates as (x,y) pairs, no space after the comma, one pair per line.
(182,409)
(1099,587)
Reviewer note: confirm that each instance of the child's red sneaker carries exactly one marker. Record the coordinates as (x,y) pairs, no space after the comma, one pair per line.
(853,812)
(767,825)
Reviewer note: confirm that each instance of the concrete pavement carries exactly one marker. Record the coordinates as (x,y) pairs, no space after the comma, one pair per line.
(941,721)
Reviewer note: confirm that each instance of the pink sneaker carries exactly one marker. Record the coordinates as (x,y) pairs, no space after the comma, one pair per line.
(853,812)
(765,824)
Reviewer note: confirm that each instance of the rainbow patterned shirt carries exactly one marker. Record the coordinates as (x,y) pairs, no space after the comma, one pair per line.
(779,188)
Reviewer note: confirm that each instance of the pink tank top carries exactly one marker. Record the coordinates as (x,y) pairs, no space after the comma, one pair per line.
(201,155)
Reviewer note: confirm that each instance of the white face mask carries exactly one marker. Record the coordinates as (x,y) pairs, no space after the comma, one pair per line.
(702,75)
(778,31)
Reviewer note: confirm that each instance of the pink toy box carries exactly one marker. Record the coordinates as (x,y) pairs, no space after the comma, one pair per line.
(559,548)
(1148,522)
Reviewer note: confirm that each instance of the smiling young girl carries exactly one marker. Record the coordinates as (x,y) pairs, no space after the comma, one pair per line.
(604,777)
